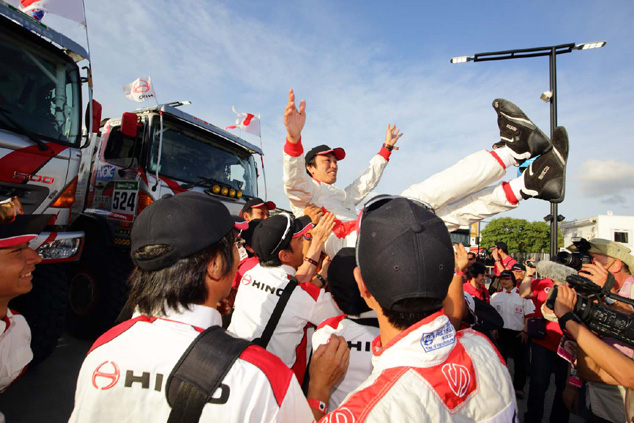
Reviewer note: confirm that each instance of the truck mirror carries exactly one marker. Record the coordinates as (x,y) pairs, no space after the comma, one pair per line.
(96,116)
(129,124)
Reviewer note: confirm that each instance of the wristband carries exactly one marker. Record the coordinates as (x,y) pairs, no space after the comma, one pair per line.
(568,316)
(459,273)
(497,261)
(388,147)
(311,261)
(321,278)
(317,405)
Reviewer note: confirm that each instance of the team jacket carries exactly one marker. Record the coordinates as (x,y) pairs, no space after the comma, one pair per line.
(512,308)
(15,348)
(359,337)
(260,289)
(430,373)
(124,374)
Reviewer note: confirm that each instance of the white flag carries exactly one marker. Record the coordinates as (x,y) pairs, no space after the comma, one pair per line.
(140,90)
(248,122)
(69,9)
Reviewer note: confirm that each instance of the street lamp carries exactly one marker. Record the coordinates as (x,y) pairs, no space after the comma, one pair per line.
(548,96)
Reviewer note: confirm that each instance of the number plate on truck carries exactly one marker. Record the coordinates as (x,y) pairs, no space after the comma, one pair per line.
(124,197)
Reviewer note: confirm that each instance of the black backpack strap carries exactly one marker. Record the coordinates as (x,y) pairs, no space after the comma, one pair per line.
(199,372)
(265,338)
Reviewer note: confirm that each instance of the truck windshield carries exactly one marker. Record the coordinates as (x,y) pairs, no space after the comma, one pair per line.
(39,90)
(189,156)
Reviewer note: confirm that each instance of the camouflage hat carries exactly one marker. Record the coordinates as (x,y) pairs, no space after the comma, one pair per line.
(612,249)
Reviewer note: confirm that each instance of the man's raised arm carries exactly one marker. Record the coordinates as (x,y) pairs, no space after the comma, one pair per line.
(298,186)
(365,183)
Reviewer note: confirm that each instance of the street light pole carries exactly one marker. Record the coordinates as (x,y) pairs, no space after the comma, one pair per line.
(551,52)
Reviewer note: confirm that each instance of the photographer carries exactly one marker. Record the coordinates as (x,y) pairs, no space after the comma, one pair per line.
(597,361)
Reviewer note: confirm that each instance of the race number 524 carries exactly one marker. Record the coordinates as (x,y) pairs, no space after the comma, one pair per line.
(124,197)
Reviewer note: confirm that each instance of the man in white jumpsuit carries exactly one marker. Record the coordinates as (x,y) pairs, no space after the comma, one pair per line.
(460,194)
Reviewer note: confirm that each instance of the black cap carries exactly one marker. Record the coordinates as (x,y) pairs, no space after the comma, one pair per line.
(502,246)
(22,229)
(256,203)
(342,284)
(506,274)
(517,267)
(274,234)
(404,252)
(247,234)
(187,223)
(339,152)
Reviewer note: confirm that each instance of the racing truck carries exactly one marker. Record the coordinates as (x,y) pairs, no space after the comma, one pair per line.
(139,158)
(40,140)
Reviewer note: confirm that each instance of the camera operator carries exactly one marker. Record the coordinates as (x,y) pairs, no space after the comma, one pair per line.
(609,258)
(596,360)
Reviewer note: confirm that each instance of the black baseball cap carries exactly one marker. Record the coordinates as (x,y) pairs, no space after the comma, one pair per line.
(274,234)
(320,150)
(342,284)
(247,234)
(506,274)
(256,203)
(501,245)
(404,252)
(23,228)
(186,223)
(517,267)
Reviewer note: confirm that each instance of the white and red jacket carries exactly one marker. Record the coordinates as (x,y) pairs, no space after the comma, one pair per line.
(259,292)
(430,373)
(124,375)
(460,194)
(359,337)
(513,308)
(15,348)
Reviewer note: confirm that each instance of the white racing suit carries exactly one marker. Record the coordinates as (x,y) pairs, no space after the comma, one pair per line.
(430,373)
(15,348)
(460,194)
(124,376)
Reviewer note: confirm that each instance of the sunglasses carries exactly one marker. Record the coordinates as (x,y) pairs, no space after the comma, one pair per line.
(9,209)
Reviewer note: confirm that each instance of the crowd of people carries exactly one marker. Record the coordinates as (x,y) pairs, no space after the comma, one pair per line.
(333,314)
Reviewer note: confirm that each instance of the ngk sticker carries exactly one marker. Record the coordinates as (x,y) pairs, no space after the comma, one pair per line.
(105,172)
(124,197)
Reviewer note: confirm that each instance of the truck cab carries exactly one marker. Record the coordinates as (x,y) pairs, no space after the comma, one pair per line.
(141,157)
(40,139)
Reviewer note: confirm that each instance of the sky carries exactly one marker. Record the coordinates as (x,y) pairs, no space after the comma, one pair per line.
(363,64)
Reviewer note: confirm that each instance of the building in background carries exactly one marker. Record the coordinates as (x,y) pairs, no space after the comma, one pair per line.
(607,226)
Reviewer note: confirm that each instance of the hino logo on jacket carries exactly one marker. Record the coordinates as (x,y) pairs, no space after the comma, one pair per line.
(248,280)
(107,375)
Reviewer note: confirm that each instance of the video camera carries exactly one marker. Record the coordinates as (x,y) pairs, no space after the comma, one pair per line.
(591,298)
(578,257)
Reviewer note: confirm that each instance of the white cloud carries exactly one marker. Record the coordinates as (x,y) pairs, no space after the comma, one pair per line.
(601,178)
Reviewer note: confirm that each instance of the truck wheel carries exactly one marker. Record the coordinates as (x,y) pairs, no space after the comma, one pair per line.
(44,308)
(98,290)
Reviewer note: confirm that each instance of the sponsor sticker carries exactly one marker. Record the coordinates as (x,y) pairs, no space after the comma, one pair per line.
(439,338)
(105,172)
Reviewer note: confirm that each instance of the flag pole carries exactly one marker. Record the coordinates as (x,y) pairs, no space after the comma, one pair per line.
(266,195)
(160,149)
(89,70)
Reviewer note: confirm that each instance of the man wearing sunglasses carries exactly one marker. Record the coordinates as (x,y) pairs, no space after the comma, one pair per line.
(17,263)
(422,369)
(461,194)
(278,241)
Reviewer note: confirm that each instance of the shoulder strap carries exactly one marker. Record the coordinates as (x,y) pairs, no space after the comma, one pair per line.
(265,338)
(199,372)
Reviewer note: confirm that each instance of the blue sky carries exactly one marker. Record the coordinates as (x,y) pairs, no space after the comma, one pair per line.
(362,64)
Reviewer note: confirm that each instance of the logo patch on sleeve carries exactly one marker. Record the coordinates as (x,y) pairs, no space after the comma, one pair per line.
(440,338)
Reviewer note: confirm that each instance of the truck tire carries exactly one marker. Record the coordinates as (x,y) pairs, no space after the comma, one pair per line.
(98,290)
(44,308)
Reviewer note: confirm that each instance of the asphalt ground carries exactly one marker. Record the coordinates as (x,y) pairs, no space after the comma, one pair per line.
(45,394)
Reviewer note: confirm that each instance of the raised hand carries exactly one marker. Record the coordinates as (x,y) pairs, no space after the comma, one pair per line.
(392,135)
(294,119)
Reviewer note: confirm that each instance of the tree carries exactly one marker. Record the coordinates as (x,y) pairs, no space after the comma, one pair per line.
(521,236)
